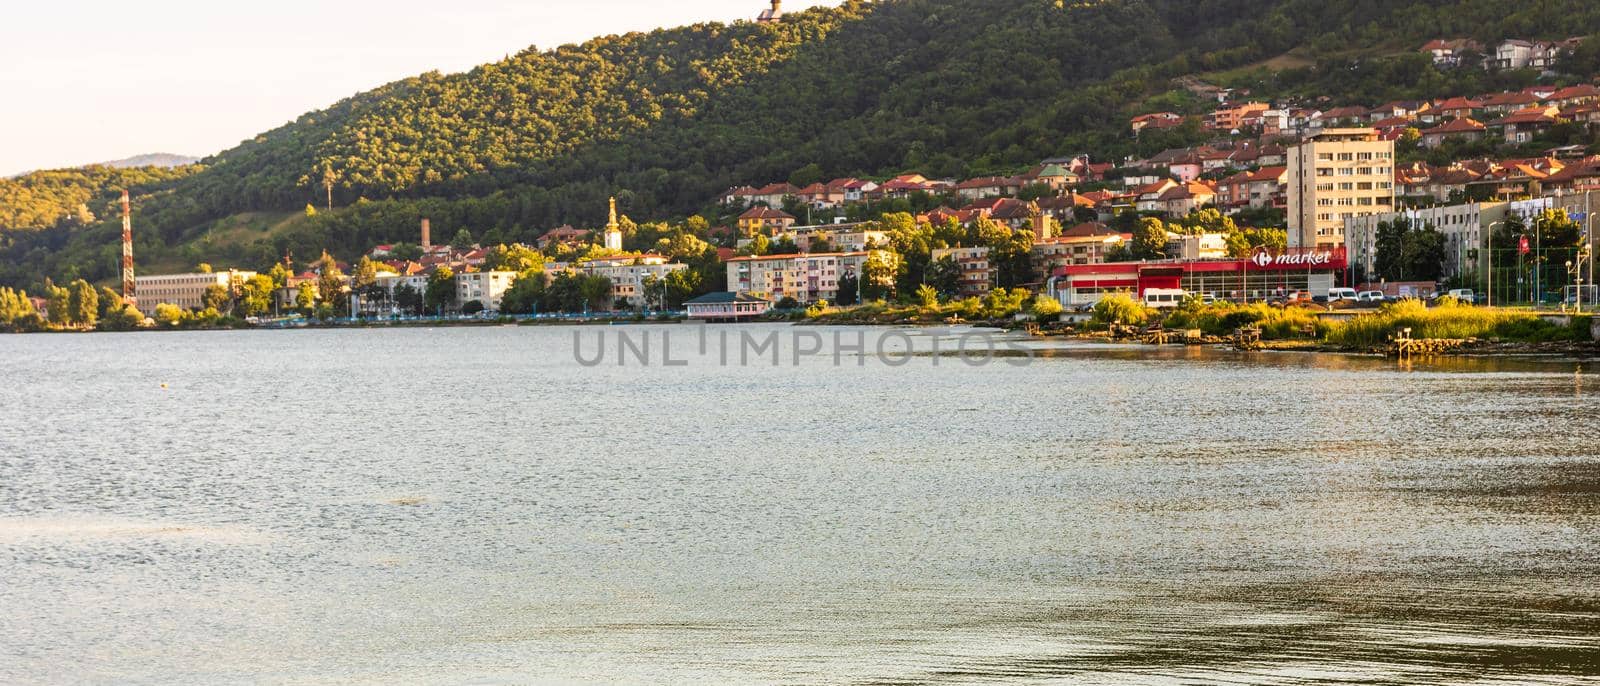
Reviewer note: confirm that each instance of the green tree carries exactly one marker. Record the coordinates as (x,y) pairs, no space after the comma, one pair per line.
(1423,255)
(525,294)
(513,258)
(169,314)
(409,300)
(306,297)
(1150,239)
(216,298)
(331,284)
(848,288)
(944,275)
(462,240)
(441,291)
(110,302)
(83,304)
(124,318)
(255,296)
(1013,260)
(878,276)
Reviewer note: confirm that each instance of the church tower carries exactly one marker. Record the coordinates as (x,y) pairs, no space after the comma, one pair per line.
(613,230)
(772,15)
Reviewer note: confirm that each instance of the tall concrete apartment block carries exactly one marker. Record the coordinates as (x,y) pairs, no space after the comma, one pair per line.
(1334,175)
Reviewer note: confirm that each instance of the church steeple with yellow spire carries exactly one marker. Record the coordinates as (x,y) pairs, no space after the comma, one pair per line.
(613,229)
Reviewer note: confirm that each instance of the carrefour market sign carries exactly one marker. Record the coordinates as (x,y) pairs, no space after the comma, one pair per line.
(1302,259)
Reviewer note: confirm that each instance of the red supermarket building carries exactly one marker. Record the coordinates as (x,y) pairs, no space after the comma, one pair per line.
(1265,274)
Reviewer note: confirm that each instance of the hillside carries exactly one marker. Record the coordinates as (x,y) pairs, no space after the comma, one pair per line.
(670,118)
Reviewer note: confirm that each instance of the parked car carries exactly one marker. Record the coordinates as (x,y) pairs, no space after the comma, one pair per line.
(1164,298)
(1373,297)
(1464,295)
(1337,294)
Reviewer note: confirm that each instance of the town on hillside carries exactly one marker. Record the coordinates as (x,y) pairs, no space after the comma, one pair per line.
(1491,193)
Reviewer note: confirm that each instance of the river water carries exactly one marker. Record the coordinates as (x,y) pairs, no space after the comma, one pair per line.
(476,506)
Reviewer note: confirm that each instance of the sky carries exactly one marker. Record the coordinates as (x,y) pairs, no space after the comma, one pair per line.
(95,80)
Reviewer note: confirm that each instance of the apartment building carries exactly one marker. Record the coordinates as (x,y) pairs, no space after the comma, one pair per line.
(806,277)
(631,276)
(486,288)
(1333,176)
(187,291)
(1465,227)
(977,274)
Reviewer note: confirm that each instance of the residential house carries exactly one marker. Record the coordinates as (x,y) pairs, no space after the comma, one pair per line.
(772,195)
(1452,108)
(1522,126)
(1056,176)
(1509,182)
(1155,120)
(1581,175)
(1273,155)
(988,187)
(1587,114)
(1573,96)
(1450,52)
(1232,118)
(1182,199)
(1147,198)
(1503,103)
(1265,188)
(1085,243)
(565,235)
(1017,214)
(739,196)
(1512,54)
(764,220)
(1463,129)
(856,190)
(1344,115)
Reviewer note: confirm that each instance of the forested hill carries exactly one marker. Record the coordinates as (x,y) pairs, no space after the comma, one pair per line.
(668,119)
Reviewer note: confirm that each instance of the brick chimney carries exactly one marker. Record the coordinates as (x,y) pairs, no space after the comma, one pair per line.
(427,241)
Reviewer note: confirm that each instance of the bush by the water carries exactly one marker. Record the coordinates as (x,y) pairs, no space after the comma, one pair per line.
(1120,309)
(1223,318)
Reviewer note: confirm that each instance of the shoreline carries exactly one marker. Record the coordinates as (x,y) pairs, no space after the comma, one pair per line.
(1481,348)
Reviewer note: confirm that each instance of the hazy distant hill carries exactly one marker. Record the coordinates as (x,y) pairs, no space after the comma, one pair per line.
(667,119)
(155,159)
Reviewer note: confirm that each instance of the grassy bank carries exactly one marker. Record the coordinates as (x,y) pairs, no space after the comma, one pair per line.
(1448,321)
(1452,321)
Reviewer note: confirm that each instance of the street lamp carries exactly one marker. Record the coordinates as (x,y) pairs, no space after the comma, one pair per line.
(1490,295)
(1579,289)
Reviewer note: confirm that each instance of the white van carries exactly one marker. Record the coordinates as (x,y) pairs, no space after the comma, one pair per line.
(1464,295)
(1164,298)
(1337,294)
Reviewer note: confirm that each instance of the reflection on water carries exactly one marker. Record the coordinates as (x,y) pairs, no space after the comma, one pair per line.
(470,505)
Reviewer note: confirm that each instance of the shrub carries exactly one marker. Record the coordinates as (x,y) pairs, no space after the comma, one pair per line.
(1046,309)
(1120,309)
